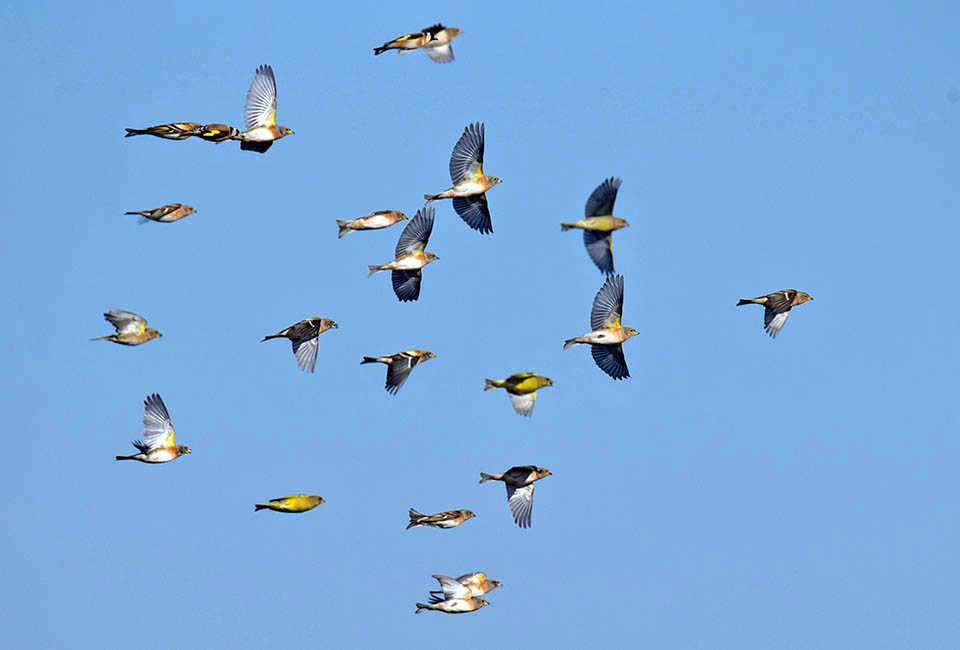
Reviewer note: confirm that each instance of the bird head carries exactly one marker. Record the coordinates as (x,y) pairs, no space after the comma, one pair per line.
(543,471)
(454,32)
(495,583)
(152,334)
(183,449)
(480,602)
(428,355)
(187,209)
(621,223)
(630,331)
(430,257)
(401,216)
(285,130)
(467,514)
(328,324)
(546,381)
(803,297)
(493,180)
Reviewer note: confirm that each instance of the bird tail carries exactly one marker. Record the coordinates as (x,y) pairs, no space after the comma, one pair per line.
(746,301)
(435,599)
(492,383)
(131,132)
(368,360)
(272,336)
(431,198)
(380,50)
(414,518)
(374,269)
(125,457)
(422,608)
(259,506)
(569,343)
(489,477)
(344,230)
(564,227)
(102,338)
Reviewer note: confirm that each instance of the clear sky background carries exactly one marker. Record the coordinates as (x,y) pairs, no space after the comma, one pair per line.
(737,492)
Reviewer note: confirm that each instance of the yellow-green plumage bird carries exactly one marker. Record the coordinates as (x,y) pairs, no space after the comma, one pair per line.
(295,503)
(522,388)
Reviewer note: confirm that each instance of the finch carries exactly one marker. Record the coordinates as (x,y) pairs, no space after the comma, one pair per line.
(304,338)
(172,131)
(519,481)
(260,113)
(372,221)
(599,224)
(435,41)
(476,582)
(411,256)
(399,366)
(164,214)
(608,334)
(295,503)
(522,388)
(776,307)
(449,519)
(158,445)
(131,328)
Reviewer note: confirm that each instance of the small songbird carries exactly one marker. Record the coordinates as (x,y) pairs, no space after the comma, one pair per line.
(294,503)
(449,519)
(399,366)
(435,41)
(131,328)
(172,131)
(476,582)
(522,388)
(164,214)
(454,606)
(519,481)
(304,337)
(158,444)
(372,221)
(260,113)
(218,133)
(410,256)
(776,307)
(599,224)
(608,334)
(469,181)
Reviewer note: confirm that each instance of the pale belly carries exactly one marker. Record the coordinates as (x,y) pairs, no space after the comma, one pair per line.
(258,134)
(160,456)
(409,263)
(469,188)
(376,222)
(604,337)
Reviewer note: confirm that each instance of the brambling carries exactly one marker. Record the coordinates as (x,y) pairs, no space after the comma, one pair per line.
(599,224)
(304,338)
(131,328)
(608,334)
(435,41)
(776,307)
(260,113)
(295,503)
(372,221)
(522,388)
(399,366)
(158,444)
(410,256)
(448,519)
(164,214)
(454,606)
(469,181)
(519,481)
(477,584)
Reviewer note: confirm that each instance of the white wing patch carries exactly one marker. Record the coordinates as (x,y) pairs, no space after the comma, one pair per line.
(261,106)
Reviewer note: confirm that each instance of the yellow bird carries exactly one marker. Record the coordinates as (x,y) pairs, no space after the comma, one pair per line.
(293,503)
(522,388)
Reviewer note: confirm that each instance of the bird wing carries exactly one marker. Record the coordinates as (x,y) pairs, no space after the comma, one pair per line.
(608,304)
(773,321)
(520,499)
(781,300)
(466,161)
(306,352)
(523,404)
(440,53)
(261,106)
(475,578)
(398,371)
(416,234)
(474,211)
(452,588)
(600,203)
(157,429)
(126,321)
(406,284)
(600,249)
(609,358)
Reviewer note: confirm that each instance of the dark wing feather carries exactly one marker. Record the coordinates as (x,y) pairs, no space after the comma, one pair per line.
(600,203)
(406,284)
(609,358)
(600,249)
(475,212)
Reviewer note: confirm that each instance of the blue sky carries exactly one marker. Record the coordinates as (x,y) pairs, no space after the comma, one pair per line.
(736,492)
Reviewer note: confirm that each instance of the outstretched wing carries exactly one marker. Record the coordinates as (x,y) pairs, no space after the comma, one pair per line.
(523,404)
(261,106)
(406,284)
(600,249)
(466,161)
(157,429)
(415,236)
(520,499)
(600,203)
(398,371)
(474,211)
(306,352)
(610,359)
(126,321)
(608,304)
(451,588)
(773,321)
(440,53)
